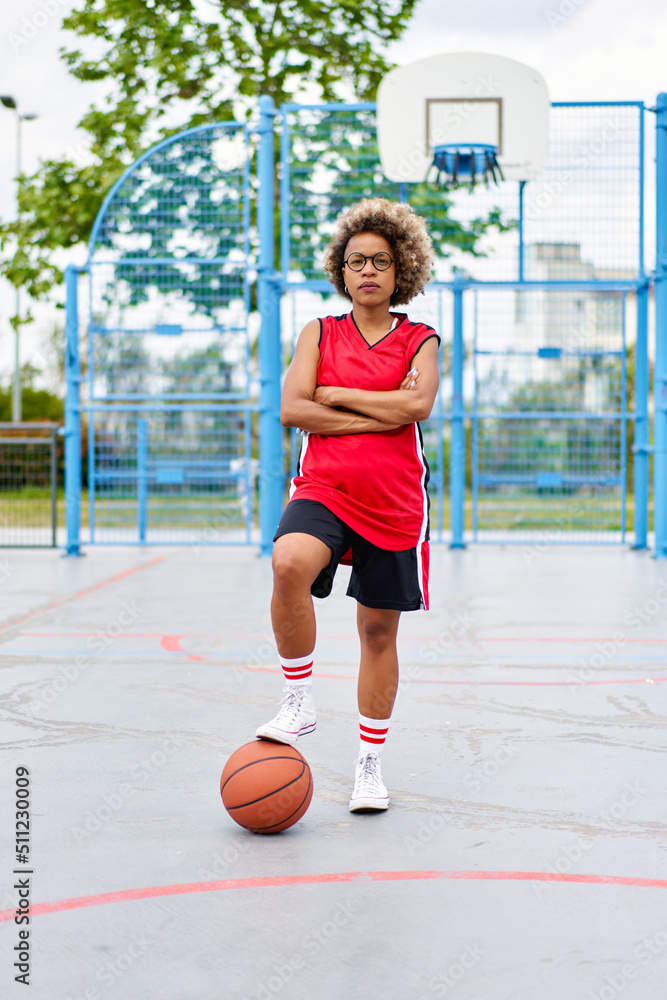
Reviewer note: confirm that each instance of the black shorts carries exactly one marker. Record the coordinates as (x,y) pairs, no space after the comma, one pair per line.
(380,578)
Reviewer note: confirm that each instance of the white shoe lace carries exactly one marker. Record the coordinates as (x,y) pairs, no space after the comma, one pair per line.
(369,781)
(290,707)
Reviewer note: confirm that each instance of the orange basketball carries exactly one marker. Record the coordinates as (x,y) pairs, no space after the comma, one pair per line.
(266,787)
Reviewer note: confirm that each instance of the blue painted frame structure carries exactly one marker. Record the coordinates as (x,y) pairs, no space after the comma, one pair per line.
(182,402)
(272,285)
(660,375)
(461,284)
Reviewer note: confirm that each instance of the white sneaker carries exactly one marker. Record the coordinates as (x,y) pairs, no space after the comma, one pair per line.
(295,718)
(369,790)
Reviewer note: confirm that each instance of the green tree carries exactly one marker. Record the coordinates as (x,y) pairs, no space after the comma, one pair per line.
(170,66)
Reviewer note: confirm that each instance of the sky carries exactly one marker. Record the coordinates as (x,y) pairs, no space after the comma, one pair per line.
(585,49)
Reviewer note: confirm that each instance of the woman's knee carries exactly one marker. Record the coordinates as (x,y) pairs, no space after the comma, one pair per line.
(295,564)
(377,631)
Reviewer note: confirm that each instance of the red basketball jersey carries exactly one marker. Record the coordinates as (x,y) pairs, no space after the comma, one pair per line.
(375,482)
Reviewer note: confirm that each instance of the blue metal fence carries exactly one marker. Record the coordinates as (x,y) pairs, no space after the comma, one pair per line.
(549,419)
(533,418)
(168,394)
(544,319)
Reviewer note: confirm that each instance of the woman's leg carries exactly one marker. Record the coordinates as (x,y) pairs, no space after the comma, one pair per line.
(378,683)
(378,670)
(297,560)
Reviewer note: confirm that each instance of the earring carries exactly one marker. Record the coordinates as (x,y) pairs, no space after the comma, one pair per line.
(346,291)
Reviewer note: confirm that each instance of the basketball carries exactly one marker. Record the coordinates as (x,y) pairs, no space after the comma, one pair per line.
(266,787)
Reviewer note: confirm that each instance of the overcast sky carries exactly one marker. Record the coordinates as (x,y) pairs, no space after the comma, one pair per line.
(585,49)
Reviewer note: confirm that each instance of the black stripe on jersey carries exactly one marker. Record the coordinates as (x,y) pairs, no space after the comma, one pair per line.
(430,337)
(425,482)
(319,342)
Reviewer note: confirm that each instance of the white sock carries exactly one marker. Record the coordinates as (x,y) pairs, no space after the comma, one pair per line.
(372,734)
(298,672)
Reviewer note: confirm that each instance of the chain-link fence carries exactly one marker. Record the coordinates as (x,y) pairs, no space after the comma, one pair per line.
(28,484)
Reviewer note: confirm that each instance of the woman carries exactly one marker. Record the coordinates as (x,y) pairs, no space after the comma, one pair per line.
(357,386)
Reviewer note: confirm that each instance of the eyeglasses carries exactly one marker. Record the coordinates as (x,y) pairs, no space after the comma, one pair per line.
(381,261)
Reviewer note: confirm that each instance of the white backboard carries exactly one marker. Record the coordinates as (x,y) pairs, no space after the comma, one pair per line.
(462,97)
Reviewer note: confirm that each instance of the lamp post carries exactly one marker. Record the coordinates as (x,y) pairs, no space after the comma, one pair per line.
(9,102)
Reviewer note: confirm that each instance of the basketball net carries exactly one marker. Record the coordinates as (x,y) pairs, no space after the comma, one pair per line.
(459,165)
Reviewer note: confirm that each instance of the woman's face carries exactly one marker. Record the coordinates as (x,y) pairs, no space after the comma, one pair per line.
(370,286)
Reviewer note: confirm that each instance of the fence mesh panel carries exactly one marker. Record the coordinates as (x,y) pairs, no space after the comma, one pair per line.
(28,485)
(181,470)
(548,439)
(167,334)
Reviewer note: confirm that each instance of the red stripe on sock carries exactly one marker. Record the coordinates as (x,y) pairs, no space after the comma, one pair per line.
(368,739)
(298,673)
(375,732)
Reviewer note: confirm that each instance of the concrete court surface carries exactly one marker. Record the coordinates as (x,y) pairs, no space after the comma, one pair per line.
(524,853)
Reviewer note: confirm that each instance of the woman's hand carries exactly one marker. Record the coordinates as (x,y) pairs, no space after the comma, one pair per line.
(410,380)
(325,395)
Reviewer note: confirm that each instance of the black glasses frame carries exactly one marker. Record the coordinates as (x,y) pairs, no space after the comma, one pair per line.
(369,257)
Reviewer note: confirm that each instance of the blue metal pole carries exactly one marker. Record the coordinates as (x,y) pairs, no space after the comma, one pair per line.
(72,415)
(660,377)
(457,445)
(92,479)
(271,476)
(640,474)
(285,235)
(522,185)
(142,476)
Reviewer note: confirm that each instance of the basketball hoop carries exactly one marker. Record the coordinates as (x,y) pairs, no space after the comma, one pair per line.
(465,117)
(458,164)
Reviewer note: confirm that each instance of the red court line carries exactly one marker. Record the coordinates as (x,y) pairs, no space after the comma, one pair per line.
(188,888)
(465,638)
(82,593)
(172,643)
(481,683)
(267,637)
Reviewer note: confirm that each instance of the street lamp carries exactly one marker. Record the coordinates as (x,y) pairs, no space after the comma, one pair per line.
(9,102)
